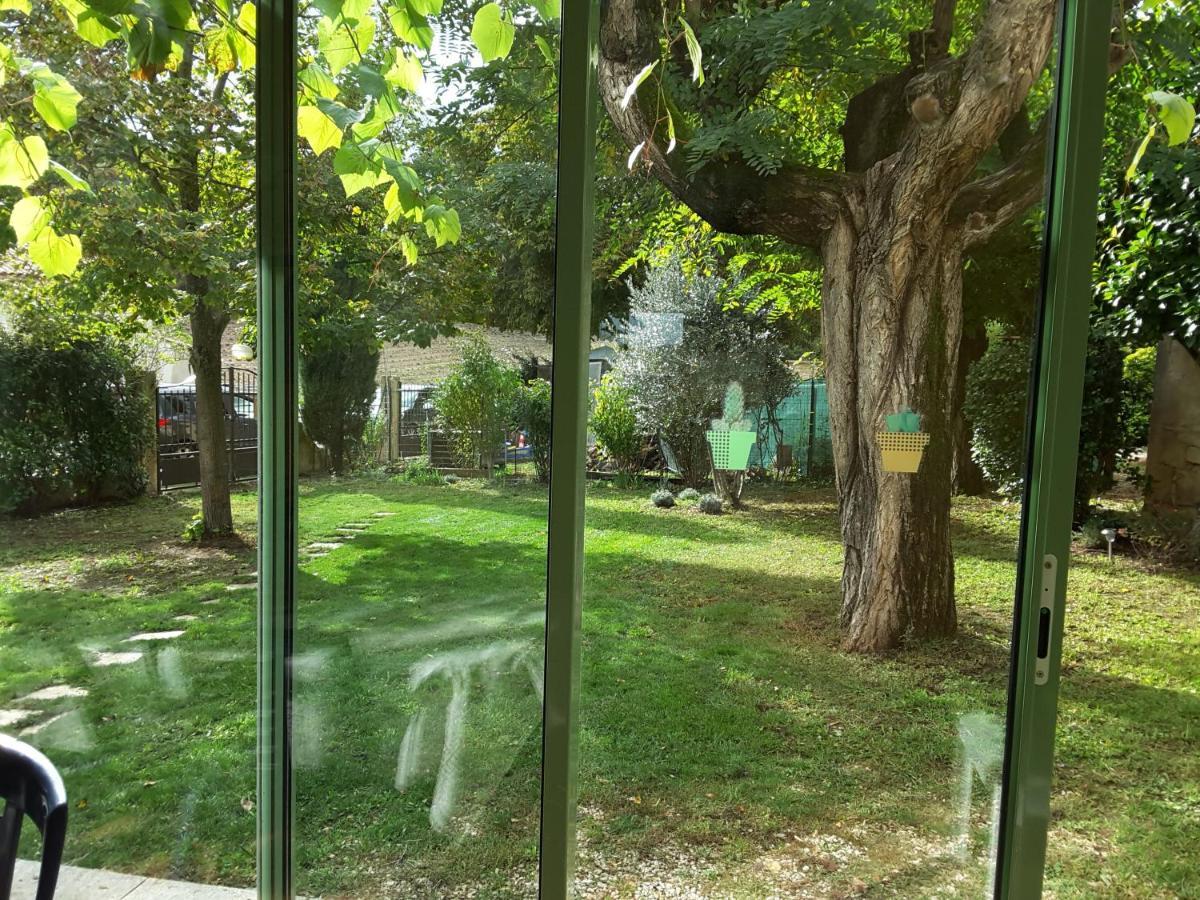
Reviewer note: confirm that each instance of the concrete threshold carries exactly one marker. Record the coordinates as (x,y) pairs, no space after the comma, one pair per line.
(75,883)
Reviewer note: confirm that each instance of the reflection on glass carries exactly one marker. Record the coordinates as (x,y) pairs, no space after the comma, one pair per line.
(800,572)
(127,436)
(426,213)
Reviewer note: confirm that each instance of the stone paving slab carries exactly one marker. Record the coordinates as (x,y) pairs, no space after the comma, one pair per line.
(75,883)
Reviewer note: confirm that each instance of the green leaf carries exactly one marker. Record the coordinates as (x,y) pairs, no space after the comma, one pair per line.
(318,81)
(631,91)
(544,46)
(410,26)
(386,108)
(28,218)
(71,179)
(22,162)
(342,116)
(370,81)
(409,248)
(21,6)
(343,43)
(1177,115)
(491,33)
(356,170)
(442,224)
(670,131)
(321,132)
(694,51)
(1141,151)
(247,34)
(426,7)
(54,253)
(54,98)
(406,73)
(549,10)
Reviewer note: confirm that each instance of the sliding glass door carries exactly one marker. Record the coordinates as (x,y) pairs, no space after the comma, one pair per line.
(797,666)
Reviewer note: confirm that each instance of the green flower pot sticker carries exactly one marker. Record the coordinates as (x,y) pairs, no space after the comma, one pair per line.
(731,438)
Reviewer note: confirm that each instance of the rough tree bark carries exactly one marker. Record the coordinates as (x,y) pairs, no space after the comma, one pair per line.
(207,327)
(208,321)
(891,230)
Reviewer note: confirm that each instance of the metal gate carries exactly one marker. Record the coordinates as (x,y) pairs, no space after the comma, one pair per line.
(178,452)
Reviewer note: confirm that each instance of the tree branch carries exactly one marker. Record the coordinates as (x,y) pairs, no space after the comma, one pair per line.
(796,203)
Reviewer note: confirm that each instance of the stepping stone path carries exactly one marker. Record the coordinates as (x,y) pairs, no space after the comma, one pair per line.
(54,692)
(241,587)
(104,658)
(11,717)
(42,726)
(325,545)
(382,515)
(154,636)
(186,617)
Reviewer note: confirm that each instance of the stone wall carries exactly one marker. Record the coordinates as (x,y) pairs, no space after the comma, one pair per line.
(1173,450)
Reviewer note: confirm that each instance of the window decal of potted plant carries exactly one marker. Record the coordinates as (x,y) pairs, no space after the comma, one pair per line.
(903,443)
(731,437)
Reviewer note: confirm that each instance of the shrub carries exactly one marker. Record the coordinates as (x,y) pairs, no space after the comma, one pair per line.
(614,424)
(477,403)
(685,347)
(533,417)
(338,363)
(1137,394)
(419,471)
(710,505)
(996,404)
(74,422)
(689,495)
(451,479)
(663,499)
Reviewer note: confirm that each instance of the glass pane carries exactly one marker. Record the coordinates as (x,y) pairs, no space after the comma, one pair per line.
(426,212)
(128,438)
(802,529)
(1131,644)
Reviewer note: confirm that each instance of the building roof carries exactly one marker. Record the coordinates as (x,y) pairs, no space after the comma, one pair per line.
(411,364)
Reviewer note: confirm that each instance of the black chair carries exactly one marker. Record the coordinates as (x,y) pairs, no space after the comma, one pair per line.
(30,786)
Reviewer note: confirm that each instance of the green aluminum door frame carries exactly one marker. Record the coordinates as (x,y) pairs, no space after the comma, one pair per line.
(1070,236)
(275,119)
(577,110)
(1070,244)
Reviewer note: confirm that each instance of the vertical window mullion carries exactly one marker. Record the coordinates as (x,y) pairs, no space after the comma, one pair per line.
(1070,237)
(275,117)
(577,109)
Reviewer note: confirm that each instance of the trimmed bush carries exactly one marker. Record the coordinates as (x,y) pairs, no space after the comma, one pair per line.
(477,403)
(710,505)
(1138,377)
(614,424)
(663,499)
(689,495)
(533,417)
(338,363)
(75,424)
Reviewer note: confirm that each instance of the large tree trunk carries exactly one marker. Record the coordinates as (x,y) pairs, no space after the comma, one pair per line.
(207,328)
(892,318)
(891,230)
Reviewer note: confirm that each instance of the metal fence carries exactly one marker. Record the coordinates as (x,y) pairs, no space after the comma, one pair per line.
(178,450)
(796,438)
(410,428)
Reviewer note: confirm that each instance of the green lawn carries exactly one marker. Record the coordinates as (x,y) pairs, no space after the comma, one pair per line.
(728,745)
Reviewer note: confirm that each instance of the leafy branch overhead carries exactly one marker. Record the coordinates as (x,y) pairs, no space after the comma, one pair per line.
(354,92)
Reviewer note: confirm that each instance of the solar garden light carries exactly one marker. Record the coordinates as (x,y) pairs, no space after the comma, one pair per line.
(1110,535)
(903,443)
